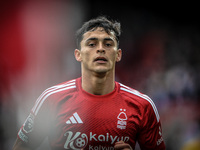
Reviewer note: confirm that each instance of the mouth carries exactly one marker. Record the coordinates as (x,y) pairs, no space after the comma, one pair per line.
(100,60)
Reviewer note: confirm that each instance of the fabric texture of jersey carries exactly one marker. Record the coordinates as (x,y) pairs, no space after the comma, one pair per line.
(73,119)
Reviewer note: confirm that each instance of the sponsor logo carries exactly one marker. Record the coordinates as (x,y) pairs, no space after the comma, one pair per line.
(100,147)
(74,119)
(80,140)
(122,117)
(77,141)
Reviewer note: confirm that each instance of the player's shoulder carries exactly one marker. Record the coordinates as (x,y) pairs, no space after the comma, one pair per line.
(137,98)
(58,90)
(54,94)
(135,95)
(64,87)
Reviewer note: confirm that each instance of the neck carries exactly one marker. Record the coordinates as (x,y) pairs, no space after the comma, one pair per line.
(98,83)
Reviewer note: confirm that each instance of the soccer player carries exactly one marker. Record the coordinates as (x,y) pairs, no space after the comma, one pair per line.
(93,112)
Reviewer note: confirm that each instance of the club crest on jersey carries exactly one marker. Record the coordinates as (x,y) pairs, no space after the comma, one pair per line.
(122,119)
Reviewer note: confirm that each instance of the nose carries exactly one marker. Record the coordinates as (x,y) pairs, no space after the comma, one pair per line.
(100,49)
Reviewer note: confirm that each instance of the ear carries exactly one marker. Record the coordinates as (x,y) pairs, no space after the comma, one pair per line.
(77,54)
(119,55)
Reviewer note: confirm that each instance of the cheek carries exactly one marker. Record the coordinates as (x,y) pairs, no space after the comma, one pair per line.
(86,55)
(113,56)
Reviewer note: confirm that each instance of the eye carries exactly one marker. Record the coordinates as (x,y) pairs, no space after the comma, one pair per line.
(91,44)
(108,44)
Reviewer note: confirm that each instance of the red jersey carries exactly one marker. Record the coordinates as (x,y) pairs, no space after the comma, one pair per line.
(73,119)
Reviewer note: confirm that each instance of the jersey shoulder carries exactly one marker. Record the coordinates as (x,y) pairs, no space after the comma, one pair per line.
(133,94)
(60,89)
(139,98)
(65,87)
(54,93)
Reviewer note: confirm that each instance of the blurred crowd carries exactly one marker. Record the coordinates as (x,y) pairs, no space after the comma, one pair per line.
(161,58)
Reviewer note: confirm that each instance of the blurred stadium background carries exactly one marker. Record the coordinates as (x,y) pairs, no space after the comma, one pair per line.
(161,57)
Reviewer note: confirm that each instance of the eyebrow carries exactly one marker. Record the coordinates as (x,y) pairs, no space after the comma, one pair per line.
(93,39)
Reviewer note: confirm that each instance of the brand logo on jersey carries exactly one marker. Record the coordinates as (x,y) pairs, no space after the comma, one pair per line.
(80,140)
(122,117)
(74,119)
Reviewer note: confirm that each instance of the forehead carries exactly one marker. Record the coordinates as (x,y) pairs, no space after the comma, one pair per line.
(98,33)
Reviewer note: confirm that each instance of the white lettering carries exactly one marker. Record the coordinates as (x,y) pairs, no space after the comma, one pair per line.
(90,147)
(101,138)
(79,140)
(104,148)
(70,139)
(107,137)
(126,139)
(100,147)
(113,139)
(92,136)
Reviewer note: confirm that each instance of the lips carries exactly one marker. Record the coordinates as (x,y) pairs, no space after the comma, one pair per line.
(100,59)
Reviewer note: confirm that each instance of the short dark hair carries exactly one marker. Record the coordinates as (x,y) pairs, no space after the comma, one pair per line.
(101,21)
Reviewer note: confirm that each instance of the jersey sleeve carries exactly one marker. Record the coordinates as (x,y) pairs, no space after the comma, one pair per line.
(38,123)
(150,136)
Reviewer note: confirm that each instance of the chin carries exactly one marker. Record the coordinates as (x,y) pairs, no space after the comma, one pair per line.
(102,70)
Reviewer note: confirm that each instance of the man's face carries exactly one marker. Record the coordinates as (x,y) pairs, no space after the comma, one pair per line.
(98,52)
